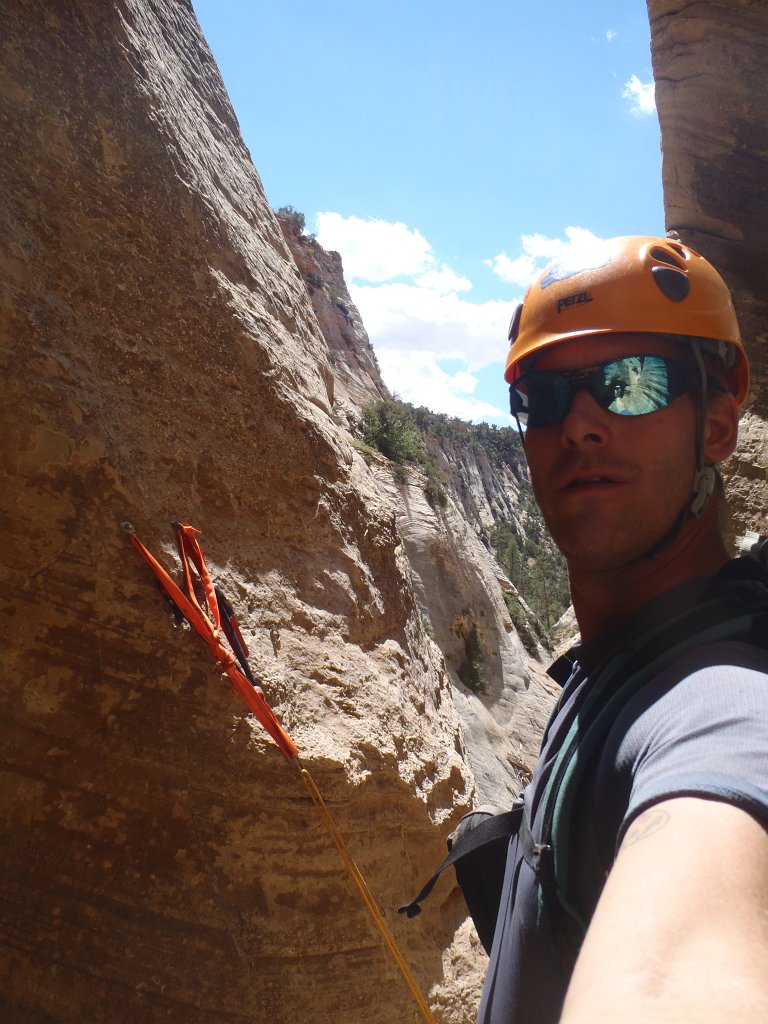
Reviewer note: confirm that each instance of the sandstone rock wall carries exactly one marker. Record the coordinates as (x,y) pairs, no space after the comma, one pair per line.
(355,370)
(458,584)
(488,492)
(161,360)
(709,66)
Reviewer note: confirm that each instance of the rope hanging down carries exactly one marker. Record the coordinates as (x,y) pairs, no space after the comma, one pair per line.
(209,625)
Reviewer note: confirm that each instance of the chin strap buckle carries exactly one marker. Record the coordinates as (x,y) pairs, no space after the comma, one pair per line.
(703,487)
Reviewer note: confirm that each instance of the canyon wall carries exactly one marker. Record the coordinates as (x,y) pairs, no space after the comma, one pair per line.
(458,584)
(162,360)
(709,67)
(355,370)
(168,354)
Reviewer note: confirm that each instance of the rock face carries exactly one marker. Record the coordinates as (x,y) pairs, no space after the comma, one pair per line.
(161,360)
(459,587)
(164,359)
(355,369)
(458,584)
(709,66)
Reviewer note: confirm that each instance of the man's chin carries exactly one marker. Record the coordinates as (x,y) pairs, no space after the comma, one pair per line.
(601,552)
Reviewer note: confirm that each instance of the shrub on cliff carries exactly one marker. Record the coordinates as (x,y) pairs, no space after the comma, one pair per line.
(293,216)
(435,484)
(471,668)
(388,427)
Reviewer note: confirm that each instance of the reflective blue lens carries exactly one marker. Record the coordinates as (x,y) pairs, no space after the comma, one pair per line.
(632,386)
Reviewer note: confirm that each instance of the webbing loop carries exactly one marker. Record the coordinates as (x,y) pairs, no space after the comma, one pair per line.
(209,628)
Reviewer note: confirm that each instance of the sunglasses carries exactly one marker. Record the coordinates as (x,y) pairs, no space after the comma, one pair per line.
(632,386)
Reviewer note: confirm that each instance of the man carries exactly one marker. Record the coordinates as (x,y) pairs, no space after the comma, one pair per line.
(627,375)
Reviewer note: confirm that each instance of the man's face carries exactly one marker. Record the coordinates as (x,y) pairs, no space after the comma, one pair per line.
(611,486)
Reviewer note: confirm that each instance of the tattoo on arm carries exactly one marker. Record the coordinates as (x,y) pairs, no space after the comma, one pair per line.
(648,824)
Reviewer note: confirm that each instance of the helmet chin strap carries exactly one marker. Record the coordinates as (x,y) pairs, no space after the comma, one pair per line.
(704,478)
(703,488)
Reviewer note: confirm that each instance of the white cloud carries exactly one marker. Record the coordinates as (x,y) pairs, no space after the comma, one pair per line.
(411,317)
(579,247)
(610,35)
(424,313)
(443,281)
(374,250)
(517,271)
(414,375)
(429,338)
(641,96)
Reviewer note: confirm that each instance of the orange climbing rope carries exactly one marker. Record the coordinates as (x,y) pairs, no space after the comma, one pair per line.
(217,623)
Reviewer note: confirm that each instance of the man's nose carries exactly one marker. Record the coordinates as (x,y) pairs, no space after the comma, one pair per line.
(586,423)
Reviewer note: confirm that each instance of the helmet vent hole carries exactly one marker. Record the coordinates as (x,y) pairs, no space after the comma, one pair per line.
(664,256)
(514,324)
(672,283)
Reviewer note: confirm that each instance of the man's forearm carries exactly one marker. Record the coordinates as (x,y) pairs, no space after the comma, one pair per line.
(681,931)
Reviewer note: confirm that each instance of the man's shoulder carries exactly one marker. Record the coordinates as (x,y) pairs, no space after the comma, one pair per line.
(731,605)
(711,679)
(699,603)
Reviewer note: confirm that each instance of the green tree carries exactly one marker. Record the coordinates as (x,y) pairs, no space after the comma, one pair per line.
(471,668)
(534,566)
(295,217)
(388,427)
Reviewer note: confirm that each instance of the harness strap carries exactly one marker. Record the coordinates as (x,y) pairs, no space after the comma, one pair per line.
(733,608)
(723,617)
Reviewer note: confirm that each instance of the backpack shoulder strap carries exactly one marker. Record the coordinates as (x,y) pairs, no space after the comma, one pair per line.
(481,827)
(724,616)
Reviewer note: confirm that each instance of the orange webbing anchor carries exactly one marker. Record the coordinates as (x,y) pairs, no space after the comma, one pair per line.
(209,627)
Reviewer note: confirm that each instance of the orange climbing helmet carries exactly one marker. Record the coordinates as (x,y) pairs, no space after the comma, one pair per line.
(633,284)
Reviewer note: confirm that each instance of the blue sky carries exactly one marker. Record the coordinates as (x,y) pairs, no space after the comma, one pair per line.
(447,150)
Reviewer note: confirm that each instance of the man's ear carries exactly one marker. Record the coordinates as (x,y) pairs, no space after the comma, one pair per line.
(721,427)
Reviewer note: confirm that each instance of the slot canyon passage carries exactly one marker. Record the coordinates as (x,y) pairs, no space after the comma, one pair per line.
(173,351)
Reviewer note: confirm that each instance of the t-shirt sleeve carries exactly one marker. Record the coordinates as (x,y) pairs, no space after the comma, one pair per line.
(699,729)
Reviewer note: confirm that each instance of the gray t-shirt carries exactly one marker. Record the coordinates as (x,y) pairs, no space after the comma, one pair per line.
(699,728)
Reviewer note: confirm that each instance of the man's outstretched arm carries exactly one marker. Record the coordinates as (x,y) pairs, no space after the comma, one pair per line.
(681,930)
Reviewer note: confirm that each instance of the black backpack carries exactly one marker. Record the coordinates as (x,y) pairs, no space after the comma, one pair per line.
(734,607)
